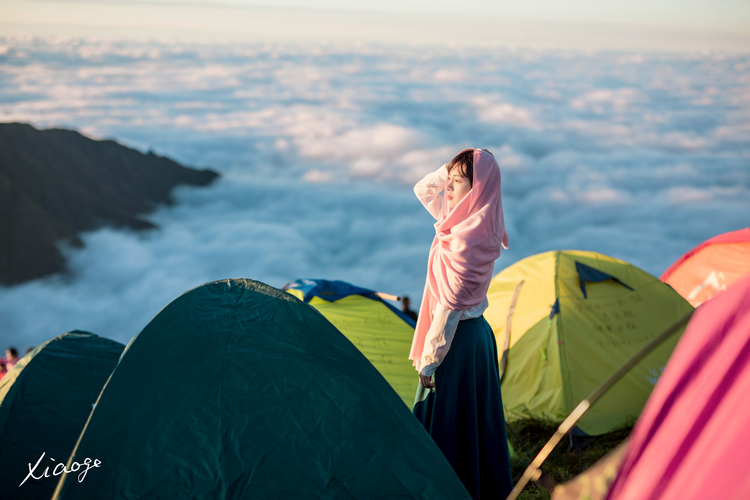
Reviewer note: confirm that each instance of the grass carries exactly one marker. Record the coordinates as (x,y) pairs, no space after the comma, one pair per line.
(529,435)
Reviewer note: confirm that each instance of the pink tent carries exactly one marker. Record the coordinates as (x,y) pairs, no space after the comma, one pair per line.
(692,440)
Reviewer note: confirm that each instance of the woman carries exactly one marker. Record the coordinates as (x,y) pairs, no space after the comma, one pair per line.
(454,350)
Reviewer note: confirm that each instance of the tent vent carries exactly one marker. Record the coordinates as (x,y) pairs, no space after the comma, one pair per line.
(587,273)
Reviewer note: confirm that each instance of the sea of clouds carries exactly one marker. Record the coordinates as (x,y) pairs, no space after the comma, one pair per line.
(640,156)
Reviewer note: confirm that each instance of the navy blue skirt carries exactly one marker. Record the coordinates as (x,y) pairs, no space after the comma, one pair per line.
(464,413)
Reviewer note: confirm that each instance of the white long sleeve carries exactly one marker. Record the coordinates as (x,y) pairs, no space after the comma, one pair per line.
(429,188)
(439,337)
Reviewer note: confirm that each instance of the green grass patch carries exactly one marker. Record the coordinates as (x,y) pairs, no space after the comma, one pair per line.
(528,437)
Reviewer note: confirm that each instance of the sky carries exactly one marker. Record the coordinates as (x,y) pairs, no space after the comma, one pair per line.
(640,155)
(673,25)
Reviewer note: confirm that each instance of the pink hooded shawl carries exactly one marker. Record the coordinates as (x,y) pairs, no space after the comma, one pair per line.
(467,242)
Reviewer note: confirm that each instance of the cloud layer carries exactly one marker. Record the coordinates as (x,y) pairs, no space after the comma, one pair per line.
(640,156)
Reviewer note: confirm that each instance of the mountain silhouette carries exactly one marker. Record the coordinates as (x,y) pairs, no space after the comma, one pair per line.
(57,183)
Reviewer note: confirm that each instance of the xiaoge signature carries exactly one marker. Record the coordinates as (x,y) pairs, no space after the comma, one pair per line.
(60,468)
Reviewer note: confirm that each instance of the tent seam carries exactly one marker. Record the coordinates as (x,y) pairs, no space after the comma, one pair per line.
(564,371)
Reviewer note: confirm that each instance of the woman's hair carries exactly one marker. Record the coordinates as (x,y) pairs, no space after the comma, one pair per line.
(465,163)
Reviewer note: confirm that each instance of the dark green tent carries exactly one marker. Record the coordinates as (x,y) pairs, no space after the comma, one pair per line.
(45,400)
(239,390)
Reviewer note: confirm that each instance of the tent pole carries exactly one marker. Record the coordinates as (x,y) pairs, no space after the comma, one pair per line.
(388,296)
(506,344)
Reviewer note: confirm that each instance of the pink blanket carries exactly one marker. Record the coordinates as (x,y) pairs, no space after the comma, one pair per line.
(467,242)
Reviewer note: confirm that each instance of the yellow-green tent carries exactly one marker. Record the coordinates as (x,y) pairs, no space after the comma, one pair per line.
(380,331)
(574,318)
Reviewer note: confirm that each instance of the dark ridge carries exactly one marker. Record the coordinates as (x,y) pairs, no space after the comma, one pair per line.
(57,183)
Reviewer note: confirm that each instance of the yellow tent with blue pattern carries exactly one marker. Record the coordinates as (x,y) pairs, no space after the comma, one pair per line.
(564,321)
(380,331)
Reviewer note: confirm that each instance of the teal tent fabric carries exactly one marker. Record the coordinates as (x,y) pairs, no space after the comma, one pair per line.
(45,400)
(240,390)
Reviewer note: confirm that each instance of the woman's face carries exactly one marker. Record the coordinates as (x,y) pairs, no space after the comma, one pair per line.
(456,187)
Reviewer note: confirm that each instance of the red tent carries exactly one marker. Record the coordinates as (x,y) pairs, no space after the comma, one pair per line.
(692,440)
(710,267)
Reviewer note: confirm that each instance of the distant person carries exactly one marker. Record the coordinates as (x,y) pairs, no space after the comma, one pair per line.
(11,357)
(405,303)
(28,350)
(462,406)
(3,370)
